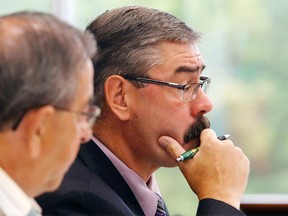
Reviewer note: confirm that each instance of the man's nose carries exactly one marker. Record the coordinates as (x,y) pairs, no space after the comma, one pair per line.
(201,104)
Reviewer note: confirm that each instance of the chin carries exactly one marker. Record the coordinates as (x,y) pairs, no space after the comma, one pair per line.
(169,163)
(54,183)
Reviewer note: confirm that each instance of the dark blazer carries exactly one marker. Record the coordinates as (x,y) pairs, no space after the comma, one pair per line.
(93,186)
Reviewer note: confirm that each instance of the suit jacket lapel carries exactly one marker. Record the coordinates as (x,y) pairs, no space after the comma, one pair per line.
(93,157)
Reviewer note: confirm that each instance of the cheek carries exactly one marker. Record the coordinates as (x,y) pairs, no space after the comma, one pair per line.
(162,114)
(174,121)
(73,140)
(166,104)
(64,142)
(70,137)
(173,114)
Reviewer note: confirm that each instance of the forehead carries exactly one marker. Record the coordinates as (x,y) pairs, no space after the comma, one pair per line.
(176,58)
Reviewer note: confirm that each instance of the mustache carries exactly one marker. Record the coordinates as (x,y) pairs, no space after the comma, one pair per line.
(195,129)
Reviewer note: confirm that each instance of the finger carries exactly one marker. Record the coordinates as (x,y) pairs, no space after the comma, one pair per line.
(171,146)
(207,134)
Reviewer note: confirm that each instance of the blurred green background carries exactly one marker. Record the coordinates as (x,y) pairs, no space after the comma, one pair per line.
(245,47)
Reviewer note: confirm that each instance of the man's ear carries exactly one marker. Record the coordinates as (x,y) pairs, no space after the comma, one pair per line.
(33,127)
(115,90)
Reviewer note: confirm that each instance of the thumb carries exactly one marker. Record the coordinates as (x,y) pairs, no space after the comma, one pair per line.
(171,146)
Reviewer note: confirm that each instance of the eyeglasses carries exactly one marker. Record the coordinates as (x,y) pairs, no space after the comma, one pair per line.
(188,92)
(91,115)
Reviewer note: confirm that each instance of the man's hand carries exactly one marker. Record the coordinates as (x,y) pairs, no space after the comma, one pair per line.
(219,170)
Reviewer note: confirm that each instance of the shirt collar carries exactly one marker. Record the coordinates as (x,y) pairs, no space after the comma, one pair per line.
(14,201)
(144,193)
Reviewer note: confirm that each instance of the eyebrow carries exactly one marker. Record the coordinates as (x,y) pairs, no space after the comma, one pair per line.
(190,69)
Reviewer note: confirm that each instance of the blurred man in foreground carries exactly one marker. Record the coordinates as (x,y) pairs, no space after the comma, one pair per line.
(46,95)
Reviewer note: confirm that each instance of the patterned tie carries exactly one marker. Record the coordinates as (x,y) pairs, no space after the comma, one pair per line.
(160,207)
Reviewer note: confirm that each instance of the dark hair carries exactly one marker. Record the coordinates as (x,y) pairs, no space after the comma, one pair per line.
(39,61)
(127,39)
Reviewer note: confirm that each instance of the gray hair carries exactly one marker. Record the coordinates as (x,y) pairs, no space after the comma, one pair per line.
(39,62)
(127,39)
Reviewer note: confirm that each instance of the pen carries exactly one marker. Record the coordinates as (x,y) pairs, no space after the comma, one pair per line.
(191,153)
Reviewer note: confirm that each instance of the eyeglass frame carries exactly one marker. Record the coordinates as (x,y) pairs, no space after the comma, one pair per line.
(91,115)
(203,80)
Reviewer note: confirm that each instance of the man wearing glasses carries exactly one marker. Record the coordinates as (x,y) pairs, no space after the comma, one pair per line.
(46,109)
(153,98)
